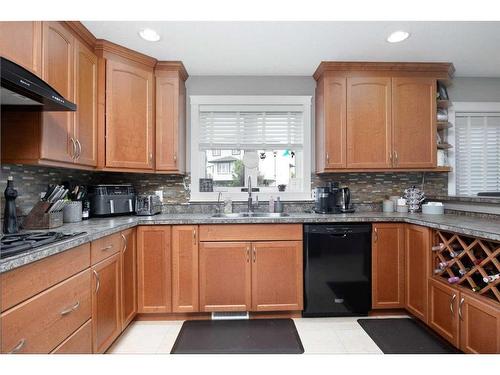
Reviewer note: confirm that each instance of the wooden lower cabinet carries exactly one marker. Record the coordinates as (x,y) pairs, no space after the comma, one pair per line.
(388,265)
(443,310)
(106,303)
(185,295)
(277,276)
(154,269)
(417,254)
(80,342)
(479,325)
(225,276)
(128,277)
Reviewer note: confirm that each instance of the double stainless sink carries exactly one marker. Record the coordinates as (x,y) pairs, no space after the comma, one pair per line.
(249,214)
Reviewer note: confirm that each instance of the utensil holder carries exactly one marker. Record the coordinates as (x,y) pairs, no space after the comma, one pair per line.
(72,212)
(39,219)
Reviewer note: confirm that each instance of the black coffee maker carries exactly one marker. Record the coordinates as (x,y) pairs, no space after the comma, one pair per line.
(326,199)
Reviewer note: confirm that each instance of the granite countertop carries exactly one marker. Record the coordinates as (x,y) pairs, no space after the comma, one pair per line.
(97,228)
(465,198)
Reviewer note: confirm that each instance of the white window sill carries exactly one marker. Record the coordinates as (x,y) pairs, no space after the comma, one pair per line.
(243,197)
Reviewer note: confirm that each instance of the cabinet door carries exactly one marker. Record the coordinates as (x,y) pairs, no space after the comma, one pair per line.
(388,251)
(277,276)
(21,42)
(414,122)
(331,123)
(129,116)
(479,326)
(154,269)
(369,122)
(417,249)
(185,268)
(106,317)
(58,71)
(85,130)
(129,277)
(170,124)
(225,276)
(443,310)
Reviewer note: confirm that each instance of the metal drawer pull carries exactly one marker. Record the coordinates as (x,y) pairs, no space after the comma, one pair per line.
(248,254)
(73,148)
(79,146)
(254,254)
(97,281)
(376,234)
(18,347)
(460,309)
(107,248)
(194,236)
(451,303)
(71,309)
(124,242)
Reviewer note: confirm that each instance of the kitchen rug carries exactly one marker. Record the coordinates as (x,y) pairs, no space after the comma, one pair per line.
(249,336)
(405,336)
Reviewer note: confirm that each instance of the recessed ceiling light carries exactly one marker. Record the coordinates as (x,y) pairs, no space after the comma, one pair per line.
(149,34)
(398,36)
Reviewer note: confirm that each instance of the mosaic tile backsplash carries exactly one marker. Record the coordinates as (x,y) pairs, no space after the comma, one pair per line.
(368,189)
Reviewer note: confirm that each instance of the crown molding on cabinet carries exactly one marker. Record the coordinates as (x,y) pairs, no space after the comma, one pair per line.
(440,70)
(103,46)
(82,32)
(173,66)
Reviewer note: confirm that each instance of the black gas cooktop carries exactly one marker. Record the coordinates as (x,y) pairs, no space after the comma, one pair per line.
(13,244)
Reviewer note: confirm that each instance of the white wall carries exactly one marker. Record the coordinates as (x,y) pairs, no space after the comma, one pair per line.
(472,89)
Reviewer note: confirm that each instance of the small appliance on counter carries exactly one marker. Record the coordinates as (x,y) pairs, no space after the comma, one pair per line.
(343,200)
(147,205)
(111,200)
(325,202)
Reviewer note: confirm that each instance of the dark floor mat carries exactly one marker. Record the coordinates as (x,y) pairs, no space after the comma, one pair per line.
(256,336)
(405,336)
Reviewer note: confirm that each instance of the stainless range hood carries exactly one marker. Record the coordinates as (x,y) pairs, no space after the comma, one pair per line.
(21,90)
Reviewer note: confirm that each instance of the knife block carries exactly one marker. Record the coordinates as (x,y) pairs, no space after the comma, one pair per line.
(39,219)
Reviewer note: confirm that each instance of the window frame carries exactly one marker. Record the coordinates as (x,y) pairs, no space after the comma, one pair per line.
(249,100)
(465,107)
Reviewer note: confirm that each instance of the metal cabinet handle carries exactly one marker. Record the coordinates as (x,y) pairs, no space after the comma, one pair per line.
(124,242)
(109,247)
(73,148)
(194,236)
(451,303)
(98,281)
(254,254)
(18,347)
(71,309)
(376,234)
(390,156)
(248,254)
(79,148)
(462,300)
(175,157)
(327,158)
(396,161)
(150,156)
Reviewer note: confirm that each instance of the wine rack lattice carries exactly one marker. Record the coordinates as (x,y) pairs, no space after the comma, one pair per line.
(471,260)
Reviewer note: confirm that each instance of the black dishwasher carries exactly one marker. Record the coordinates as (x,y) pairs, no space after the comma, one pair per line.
(337,269)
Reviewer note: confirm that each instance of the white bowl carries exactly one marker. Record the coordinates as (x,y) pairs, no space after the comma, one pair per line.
(432,209)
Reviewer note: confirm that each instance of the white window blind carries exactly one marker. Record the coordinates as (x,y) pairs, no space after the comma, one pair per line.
(477,152)
(251,130)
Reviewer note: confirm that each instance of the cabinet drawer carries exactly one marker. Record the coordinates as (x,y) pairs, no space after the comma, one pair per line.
(24,282)
(41,323)
(104,247)
(251,232)
(79,342)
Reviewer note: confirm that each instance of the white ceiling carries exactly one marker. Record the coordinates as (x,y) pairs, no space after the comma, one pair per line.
(296,48)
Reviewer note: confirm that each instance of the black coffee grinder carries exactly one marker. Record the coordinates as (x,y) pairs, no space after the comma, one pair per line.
(325,202)
(9,217)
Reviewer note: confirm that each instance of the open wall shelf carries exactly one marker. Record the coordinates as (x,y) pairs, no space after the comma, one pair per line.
(474,261)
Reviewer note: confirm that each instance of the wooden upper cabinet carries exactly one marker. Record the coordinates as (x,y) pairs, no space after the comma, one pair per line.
(330,124)
(225,276)
(21,42)
(85,129)
(129,116)
(58,71)
(414,122)
(369,122)
(128,277)
(443,311)
(154,286)
(417,252)
(185,293)
(388,251)
(106,296)
(170,117)
(479,325)
(277,276)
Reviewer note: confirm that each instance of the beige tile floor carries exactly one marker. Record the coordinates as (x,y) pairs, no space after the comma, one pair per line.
(318,336)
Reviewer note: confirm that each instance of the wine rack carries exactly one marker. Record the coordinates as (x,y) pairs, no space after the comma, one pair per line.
(468,262)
